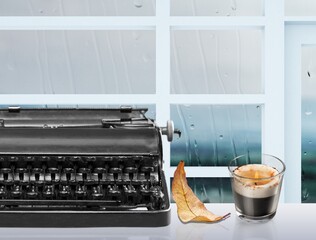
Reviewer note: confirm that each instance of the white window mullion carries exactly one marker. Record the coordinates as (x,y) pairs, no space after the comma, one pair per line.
(293,115)
(301,20)
(273,127)
(205,172)
(223,99)
(273,115)
(163,76)
(77,23)
(195,22)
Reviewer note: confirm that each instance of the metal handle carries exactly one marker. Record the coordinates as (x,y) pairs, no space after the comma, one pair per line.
(169,130)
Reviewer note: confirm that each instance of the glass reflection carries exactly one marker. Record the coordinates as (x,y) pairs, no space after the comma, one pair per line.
(308,116)
(211,190)
(77,62)
(77,8)
(217,7)
(216,61)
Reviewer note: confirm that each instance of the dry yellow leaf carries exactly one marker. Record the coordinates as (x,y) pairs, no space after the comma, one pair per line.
(190,208)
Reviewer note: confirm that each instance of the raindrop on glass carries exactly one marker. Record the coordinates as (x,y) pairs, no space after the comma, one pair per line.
(138,3)
(305,153)
(305,194)
(308,113)
(217,11)
(310,142)
(225,75)
(41,11)
(234,8)
(221,137)
(212,35)
(192,126)
(228,14)
(190,116)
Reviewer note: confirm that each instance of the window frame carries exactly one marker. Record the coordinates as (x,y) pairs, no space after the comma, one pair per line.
(272,100)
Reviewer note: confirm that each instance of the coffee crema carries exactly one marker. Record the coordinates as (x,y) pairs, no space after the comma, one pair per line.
(256,181)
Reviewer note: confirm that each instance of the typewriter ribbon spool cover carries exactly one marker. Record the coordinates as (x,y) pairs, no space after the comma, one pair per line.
(82,168)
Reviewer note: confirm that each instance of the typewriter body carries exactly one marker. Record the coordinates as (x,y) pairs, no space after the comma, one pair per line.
(82,168)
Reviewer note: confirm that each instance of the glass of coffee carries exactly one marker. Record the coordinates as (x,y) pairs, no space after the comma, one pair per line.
(256,186)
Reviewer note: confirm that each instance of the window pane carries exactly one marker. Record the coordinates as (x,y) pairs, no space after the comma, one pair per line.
(77,7)
(308,124)
(300,7)
(212,135)
(211,190)
(222,61)
(217,7)
(83,62)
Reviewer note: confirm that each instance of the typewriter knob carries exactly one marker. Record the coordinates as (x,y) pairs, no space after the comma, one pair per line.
(169,130)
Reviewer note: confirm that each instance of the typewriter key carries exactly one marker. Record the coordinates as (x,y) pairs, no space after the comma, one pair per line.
(130,171)
(147,170)
(97,193)
(48,191)
(3,192)
(114,191)
(53,172)
(129,190)
(16,191)
(65,191)
(81,191)
(32,192)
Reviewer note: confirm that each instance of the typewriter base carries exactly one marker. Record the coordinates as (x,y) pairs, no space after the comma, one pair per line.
(85,219)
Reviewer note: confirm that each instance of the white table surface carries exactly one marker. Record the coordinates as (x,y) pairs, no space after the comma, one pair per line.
(292,221)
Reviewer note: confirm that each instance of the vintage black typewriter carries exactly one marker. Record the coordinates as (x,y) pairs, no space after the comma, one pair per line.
(82,168)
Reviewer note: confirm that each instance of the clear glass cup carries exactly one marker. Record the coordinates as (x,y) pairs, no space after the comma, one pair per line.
(256,186)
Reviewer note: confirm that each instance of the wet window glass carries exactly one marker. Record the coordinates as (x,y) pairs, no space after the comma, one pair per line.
(211,190)
(77,62)
(212,135)
(217,7)
(308,144)
(77,7)
(216,61)
(300,7)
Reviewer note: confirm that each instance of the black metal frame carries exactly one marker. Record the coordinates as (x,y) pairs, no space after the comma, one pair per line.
(25,138)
